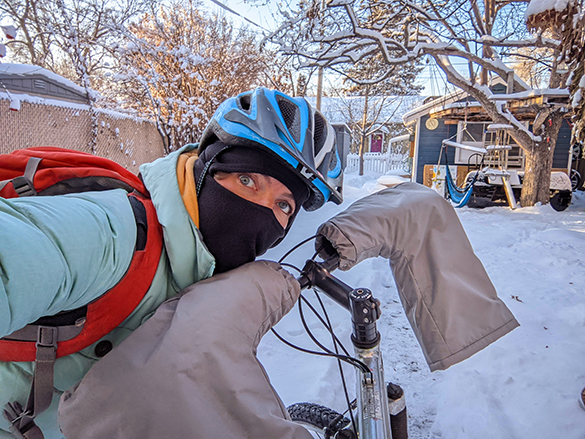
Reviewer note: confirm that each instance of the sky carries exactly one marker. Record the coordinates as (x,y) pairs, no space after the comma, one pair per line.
(525,385)
(431,78)
(260,15)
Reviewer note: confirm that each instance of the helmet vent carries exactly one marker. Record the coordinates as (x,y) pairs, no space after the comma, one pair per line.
(245,102)
(320,132)
(291,115)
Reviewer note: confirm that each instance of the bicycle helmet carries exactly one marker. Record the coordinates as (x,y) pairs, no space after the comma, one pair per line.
(289,129)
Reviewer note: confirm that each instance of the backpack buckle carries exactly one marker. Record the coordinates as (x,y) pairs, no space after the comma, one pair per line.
(22,425)
(23,186)
(47,337)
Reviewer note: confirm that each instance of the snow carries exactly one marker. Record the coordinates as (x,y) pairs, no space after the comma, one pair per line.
(14,103)
(499,147)
(576,98)
(498,126)
(538,6)
(23,97)
(9,31)
(464,146)
(439,108)
(392,179)
(525,385)
(550,92)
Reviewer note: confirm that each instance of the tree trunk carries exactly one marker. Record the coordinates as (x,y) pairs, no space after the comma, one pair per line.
(364,132)
(538,166)
(361,152)
(535,186)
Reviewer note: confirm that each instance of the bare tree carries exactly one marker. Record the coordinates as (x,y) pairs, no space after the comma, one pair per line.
(179,64)
(486,34)
(62,35)
(375,97)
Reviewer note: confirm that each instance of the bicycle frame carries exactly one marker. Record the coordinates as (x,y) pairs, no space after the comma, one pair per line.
(377,416)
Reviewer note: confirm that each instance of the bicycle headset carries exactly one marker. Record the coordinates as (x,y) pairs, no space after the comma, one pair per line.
(290,130)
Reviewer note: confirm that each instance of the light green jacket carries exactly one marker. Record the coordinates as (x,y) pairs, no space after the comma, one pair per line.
(61,252)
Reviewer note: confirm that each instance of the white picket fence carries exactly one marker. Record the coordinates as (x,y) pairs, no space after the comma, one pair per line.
(377,162)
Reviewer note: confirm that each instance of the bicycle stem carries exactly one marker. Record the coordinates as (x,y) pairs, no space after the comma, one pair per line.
(317,274)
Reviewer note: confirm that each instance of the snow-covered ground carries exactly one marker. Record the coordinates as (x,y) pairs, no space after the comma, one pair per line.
(525,385)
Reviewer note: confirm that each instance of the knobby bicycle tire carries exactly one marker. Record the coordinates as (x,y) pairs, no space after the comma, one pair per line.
(318,417)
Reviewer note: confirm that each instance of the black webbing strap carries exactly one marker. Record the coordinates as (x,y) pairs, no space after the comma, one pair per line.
(21,420)
(22,424)
(23,185)
(19,427)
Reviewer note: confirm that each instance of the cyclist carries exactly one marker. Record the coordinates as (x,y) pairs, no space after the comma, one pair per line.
(221,204)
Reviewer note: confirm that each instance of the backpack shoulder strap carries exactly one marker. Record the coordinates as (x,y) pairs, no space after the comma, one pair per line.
(23,185)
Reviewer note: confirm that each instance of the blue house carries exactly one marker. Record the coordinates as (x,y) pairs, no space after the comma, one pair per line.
(461,119)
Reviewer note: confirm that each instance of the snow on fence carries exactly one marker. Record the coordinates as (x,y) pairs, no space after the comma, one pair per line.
(124,139)
(377,162)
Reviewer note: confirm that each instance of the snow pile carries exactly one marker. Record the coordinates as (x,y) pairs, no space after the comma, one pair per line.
(392,178)
(523,386)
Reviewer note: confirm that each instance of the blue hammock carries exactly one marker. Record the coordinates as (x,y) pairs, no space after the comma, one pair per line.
(459,196)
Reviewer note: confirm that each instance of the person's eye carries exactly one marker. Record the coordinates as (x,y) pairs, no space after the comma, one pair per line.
(285,207)
(246,180)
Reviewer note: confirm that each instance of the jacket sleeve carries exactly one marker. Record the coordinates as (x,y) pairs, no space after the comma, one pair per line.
(61,252)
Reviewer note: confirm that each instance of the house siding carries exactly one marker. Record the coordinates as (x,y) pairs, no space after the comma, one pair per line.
(429,146)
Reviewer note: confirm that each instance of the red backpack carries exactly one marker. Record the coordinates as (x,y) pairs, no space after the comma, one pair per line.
(54,171)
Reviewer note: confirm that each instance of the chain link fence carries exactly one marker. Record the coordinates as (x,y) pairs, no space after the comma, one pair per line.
(126,140)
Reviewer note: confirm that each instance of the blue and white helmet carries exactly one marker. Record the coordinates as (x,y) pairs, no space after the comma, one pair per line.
(288,128)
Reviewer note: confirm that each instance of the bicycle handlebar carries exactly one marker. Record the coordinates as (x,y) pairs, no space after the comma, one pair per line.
(318,275)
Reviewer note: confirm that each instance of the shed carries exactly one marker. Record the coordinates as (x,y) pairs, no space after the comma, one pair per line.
(36,81)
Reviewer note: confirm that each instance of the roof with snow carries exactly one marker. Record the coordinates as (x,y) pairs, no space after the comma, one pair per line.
(458,105)
(539,6)
(36,81)
(411,116)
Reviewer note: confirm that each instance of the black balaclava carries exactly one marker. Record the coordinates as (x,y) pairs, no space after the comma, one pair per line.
(236,230)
